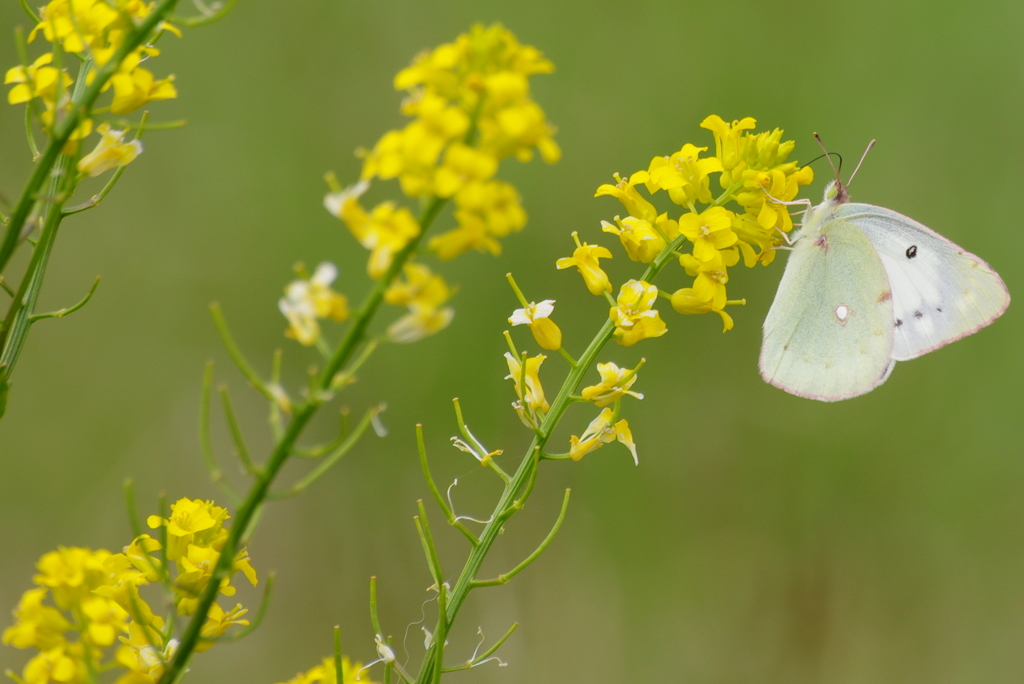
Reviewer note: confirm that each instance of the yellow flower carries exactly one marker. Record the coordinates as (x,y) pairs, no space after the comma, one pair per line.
(634,318)
(684,175)
(462,166)
(62,663)
(708,291)
(384,231)
(144,653)
(126,594)
(217,624)
(532,405)
(537,316)
(87,27)
(760,189)
(471,233)
(111,152)
(424,293)
(327,673)
(497,205)
(586,259)
(419,323)
(711,275)
(625,192)
(601,432)
(36,624)
(615,382)
(71,574)
(134,85)
(38,80)
(305,301)
(421,287)
(709,231)
(727,142)
(344,204)
(105,620)
(192,522)
(641,240)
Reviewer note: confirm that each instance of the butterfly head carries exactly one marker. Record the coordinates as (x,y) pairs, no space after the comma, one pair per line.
(835,193)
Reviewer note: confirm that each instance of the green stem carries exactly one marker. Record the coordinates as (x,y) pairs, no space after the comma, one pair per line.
(285,446)
(81,105)
(525,471)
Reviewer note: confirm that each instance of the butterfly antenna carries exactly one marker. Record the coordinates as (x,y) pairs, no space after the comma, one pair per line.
(870,145)
(829,156)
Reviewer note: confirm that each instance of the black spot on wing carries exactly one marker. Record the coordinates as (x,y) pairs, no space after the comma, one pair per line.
(911,251)
(898,322)
(918,314)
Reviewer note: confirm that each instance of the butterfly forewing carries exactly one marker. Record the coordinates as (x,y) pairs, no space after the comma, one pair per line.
(829,333)
(940,292)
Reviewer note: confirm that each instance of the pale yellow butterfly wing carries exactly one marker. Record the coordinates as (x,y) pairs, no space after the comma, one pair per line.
(829,333)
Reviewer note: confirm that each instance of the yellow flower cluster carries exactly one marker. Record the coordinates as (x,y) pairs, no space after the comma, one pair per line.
(753,173)
(93,29)
(310,299)
(471,108)
(424,294)
(96,603)
(327,673)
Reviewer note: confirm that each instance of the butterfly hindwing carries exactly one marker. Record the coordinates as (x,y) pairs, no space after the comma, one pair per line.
(940,292)
(829,332)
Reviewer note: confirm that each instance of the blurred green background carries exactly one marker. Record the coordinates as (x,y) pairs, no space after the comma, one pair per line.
(764,538)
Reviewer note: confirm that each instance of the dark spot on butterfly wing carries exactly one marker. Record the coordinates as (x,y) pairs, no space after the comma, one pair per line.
(911,251)
(939,309)
(918,314)
(898,322)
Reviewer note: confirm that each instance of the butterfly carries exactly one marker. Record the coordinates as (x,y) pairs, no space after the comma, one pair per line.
(865,287)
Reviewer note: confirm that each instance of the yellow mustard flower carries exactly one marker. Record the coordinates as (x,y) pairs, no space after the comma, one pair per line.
(135,86)
(470,234)
(634,317)
(326,673)
(727,142)
(192,521)
(642,242)
(711,275)
(385,230)
(615,382)
(217,624)
(532,403)
(420,322)
(305,301)
(763,188)
(462,166)
(496,203)
(77,25)
(71,574)
(104,620)
(421,286)
(110,153)
(143,653)
(601,432)
(684,175)
(62,663)
(126,594)
(423,293)
(39,79)
(709,231)
(538,318)
(586,258)
(625,191)
(36,625)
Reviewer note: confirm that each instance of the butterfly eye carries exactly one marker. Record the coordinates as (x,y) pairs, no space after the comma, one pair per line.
(911,251)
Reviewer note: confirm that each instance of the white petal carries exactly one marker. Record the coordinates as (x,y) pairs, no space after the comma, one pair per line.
(325,274)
